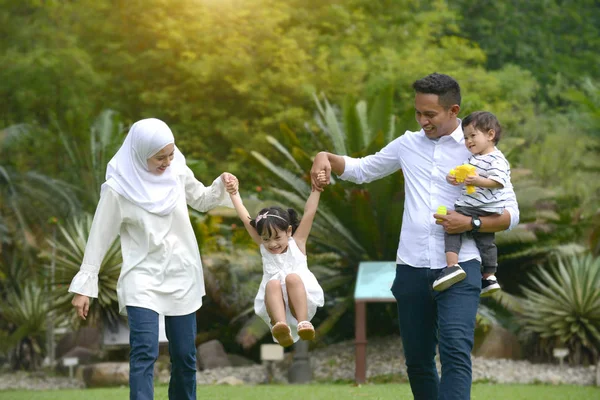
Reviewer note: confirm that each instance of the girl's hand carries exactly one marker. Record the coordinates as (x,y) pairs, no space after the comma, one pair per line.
(231,182)
(451,179)
(81,304)
(472,180)
(322,178)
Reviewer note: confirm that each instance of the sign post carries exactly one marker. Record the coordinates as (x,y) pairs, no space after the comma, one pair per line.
(373,283)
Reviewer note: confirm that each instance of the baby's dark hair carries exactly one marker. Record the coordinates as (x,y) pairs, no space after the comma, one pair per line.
(484,121)
(276,218)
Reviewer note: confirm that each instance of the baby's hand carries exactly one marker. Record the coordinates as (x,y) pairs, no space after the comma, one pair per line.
(231,182)
(322,178)
(451,179)
(472,180)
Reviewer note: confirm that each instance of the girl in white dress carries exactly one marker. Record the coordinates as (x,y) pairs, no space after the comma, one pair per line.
(144,201)
(289,293)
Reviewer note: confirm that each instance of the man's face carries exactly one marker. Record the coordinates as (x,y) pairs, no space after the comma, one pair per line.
(435,120)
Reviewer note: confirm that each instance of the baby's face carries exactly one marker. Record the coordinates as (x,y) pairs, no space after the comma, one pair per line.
(479,142)
(277,243)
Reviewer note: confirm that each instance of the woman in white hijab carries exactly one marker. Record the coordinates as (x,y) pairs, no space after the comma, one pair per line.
(144,200)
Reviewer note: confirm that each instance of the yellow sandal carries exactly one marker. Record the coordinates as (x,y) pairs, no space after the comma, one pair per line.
(283,334)
(306,330)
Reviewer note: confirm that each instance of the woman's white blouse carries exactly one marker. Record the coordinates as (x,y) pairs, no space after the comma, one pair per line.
(161,267)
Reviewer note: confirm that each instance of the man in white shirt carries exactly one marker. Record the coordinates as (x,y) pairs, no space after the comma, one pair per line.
(427,317)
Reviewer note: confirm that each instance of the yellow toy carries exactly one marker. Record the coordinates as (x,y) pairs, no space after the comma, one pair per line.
(461,172)
(442,210)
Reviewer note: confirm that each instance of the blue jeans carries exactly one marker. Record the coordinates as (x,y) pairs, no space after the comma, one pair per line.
(143,339)
(426,318)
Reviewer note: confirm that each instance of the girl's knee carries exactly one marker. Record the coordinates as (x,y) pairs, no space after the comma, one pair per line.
(273,285)
(293,279)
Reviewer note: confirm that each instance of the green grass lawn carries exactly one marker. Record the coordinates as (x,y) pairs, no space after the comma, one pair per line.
(480,391)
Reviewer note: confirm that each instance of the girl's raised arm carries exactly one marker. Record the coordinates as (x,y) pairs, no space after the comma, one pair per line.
(242,212)
(310,210)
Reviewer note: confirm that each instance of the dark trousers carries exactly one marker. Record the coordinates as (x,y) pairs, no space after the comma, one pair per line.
(428,318)
(485,241)
(143,339)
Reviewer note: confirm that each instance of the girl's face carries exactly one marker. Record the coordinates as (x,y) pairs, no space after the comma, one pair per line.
(479,142)
(277,243)
(158,163)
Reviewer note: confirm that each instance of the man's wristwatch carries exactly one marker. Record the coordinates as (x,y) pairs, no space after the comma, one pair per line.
(475,223)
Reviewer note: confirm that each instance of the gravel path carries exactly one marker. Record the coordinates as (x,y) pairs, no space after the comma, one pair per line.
(336,362)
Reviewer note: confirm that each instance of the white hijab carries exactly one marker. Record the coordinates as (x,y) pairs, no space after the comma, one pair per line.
(127,173)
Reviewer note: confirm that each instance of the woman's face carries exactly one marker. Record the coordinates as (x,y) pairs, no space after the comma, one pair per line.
(158,163)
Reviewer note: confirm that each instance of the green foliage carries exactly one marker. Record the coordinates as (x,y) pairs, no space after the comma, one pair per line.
(547,37)
(45,72)
(29,199)
(88,155)
(562,306)
(67,250)
(26,310)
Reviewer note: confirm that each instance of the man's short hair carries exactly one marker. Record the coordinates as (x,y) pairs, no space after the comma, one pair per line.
(444,86)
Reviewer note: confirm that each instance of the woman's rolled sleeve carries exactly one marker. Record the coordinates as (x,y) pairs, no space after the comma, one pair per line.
(204,198)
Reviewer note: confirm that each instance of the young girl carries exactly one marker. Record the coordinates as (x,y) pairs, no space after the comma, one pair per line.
(289,292)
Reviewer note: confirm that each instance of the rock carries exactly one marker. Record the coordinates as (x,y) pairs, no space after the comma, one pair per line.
(499,343)
(107,374)
(598,374)
(211,355)
(231,381)
(86,337)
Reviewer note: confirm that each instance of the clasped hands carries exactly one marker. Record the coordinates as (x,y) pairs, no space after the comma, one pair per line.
(231,182)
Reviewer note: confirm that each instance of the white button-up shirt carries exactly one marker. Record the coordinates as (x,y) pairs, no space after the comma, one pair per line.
(425,163)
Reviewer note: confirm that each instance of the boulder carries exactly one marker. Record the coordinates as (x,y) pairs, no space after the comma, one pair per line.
(211,355)
(105,374)
(86,337)
(499,343)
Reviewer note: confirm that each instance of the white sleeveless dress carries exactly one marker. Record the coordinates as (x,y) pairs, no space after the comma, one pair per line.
(278,266)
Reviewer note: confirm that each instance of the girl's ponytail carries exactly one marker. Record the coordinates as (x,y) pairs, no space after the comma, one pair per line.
(294,221)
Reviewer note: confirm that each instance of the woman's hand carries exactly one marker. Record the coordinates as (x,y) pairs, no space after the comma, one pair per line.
(231,182)
(81,304)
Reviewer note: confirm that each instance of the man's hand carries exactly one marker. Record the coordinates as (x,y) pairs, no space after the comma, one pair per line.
(454,222)
(231,182)
(320,165)
(81,304)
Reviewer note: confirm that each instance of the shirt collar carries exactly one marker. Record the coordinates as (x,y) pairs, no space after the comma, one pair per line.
(458,134)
